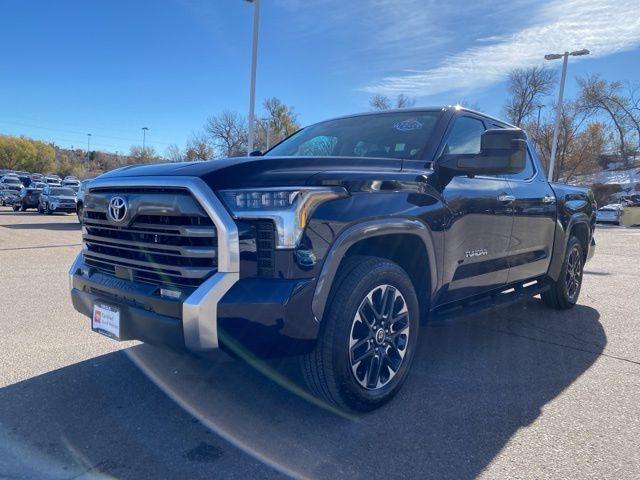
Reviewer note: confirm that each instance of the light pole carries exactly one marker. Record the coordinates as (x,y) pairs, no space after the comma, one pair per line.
(88,144)
(539,110)
(254,61)
(556,128)
(144,137)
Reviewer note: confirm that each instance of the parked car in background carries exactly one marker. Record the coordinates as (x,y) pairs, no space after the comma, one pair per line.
(57,199)
(38,185)
(11,182)
(8,195)
(80,199)
(609,214)
(37,177)
(71,183)
(55,181)
(28,198)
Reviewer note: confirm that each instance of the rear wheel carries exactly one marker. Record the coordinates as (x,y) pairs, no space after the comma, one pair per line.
(368,336)
(564,292)
(15,207)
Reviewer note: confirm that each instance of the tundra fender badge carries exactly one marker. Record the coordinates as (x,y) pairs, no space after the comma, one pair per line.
(479,252)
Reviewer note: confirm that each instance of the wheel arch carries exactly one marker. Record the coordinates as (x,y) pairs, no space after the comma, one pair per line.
(377,238)
(579,225)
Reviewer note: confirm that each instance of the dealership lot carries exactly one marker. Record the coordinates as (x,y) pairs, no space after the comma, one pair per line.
(524,392)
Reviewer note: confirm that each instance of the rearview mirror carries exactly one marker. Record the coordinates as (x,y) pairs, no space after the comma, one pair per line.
(502,151)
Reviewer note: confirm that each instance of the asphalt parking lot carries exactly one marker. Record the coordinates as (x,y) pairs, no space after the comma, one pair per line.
(524,392)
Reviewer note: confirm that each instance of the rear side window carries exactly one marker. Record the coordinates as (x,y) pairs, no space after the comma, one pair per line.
(528,171)
(465,136)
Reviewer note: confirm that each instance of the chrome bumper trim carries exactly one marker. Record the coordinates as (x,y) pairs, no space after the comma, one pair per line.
(199,310)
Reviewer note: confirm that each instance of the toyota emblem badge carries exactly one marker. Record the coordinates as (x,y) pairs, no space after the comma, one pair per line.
(117,209)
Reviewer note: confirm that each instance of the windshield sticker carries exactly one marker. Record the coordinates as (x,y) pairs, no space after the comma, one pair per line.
(407,125)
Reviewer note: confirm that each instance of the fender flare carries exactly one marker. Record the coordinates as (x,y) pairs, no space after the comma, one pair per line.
(561,239)
(361,231)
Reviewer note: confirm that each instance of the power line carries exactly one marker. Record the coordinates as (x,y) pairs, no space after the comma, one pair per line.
(77,132)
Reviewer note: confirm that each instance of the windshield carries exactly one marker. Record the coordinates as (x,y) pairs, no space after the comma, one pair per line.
(12,180)
(391,135)
(62,192)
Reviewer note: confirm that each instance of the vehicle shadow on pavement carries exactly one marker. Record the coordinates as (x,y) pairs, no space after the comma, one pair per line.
(45,226)
(473,385)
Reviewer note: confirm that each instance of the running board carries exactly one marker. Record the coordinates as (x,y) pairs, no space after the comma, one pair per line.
(492,301)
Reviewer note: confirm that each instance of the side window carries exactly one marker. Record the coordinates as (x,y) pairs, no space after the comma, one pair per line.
(464,137)
(528,171)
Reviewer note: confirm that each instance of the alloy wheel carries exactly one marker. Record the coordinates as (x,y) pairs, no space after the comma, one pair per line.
(573,276)
(379,337)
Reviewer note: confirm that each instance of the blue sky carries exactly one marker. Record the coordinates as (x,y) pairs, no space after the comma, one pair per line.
(111,67)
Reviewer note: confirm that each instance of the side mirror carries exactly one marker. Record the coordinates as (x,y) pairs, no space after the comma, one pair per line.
(256,153)
(502,151)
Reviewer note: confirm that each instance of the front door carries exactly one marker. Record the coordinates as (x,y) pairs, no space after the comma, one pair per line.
(477,236)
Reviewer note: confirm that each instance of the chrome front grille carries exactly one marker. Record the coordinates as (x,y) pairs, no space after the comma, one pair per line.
(165,238)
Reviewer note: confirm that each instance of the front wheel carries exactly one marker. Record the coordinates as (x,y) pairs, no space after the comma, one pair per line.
(564,292)
(368,336)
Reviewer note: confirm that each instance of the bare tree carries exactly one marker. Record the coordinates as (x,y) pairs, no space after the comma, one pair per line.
(402,101)
(281,120)
(598,95)
(173,153)
(571,123)
(379,102)
(227,132)
(382,102)
(525,89)
(198,148)
(143,155)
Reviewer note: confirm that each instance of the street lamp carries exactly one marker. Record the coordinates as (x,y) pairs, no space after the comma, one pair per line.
(556,128)
(88,144)
(144,137)
(539,107)
(254,60)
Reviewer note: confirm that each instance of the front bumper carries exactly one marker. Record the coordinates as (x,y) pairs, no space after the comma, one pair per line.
(267,317)
(63,208)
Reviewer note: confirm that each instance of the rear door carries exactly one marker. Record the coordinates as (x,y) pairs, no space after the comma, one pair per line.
(476,238)
(534,221)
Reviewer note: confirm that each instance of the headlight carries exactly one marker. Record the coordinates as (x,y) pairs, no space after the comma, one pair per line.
(289,208)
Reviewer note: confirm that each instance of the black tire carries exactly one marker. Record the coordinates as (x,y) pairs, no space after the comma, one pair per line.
(40,211)
(15,207)
(330,370)
(564,293)
(23,208)
(47,211)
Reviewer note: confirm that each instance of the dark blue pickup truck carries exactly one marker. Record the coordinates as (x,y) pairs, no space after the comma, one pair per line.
(333,245)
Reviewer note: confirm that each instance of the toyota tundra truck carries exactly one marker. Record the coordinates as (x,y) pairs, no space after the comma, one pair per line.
(334,246)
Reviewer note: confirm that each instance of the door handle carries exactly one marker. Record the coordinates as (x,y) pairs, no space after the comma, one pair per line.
(506,198)
(548,199)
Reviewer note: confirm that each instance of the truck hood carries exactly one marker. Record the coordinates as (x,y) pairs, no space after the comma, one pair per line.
(244,172)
